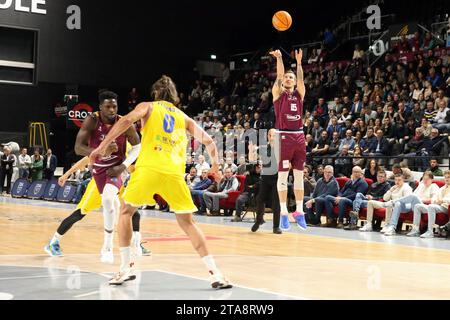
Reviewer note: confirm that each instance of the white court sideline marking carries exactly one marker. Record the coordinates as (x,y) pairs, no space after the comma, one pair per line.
(6,296)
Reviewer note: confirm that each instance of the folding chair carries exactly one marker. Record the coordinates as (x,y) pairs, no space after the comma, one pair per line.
(251,206)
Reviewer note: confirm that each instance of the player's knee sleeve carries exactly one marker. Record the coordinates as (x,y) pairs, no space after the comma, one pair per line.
(282,181)
(109,197)
(136,220)
(299,180)
(69,222)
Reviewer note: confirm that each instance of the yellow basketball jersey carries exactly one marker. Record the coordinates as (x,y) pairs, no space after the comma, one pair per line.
(164,140)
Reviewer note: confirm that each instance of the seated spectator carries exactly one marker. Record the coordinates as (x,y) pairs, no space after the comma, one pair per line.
(252,182)
(343,163)
(257,123)
(439,204)
(198,190)
(230,164)
(380,146)
(440,121)
(309,181)
(358,54)
(441,100)
(434,78)
(357,106)
(322,111)
(229,183)
(319,172)
(191,178)
(348,141)
(322,145)
(345,198)
(316,131)
(242,168)
(358,160)
(368,140)
(314,57)
(376,192)
(335,143)
(189,163)
(202,165)
(434,168)
(344,116)
(426,127)
(334,127)
(424,193)
(216,125)
(399,190)
(326,186)
(430,113)
(371,172)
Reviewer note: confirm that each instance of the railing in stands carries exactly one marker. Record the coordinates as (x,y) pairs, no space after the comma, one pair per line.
(416,163)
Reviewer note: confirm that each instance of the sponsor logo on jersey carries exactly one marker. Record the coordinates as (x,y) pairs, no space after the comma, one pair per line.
(293,118)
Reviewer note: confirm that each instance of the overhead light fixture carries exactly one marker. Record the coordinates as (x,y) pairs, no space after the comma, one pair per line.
(245,60)
(213,57)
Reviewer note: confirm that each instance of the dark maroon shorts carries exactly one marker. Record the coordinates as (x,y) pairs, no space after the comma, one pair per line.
(292,150)
(103,179)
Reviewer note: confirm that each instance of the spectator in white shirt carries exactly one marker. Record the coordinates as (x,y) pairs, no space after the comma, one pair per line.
(399,190)
(24,164)
(442,113)
(202,165)
(439,204)
(426,191)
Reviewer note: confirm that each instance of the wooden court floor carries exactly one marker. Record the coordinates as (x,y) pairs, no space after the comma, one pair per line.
(297,265)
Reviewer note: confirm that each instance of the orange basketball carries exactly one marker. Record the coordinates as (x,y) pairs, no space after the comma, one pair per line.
(282,21)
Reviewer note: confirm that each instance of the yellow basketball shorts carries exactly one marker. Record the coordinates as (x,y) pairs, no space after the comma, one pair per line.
(92,199)
(146,182)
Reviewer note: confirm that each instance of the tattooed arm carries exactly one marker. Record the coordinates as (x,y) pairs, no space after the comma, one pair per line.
(278,86)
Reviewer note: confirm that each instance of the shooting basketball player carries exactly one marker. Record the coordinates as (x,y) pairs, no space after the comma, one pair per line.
(104,188)
(288,95)
(159,170)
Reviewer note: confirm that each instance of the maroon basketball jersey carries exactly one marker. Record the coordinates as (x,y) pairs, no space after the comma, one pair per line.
(289,112)
(98,135)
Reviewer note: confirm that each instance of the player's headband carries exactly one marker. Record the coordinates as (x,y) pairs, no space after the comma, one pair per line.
(110,101)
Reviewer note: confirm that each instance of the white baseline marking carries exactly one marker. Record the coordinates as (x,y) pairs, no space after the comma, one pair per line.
(237,286)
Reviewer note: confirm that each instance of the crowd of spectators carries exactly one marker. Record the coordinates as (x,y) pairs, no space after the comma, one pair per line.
(393,115)
(392,109)
(16,164)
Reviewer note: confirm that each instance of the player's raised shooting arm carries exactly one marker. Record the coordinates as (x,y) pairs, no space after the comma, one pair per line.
(82,142)
(301,88)
(278,86)
(78,166)
(141,111)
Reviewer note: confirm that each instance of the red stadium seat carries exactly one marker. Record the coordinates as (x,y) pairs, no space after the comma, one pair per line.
(230,202)
(342,182)
(441,218)
(408,217)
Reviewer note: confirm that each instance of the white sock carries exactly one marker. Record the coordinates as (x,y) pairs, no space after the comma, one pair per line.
(108,240)
(56,237)
(210,265)
(300,207)
(137,238)
(284,209)
(125,258)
